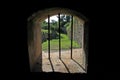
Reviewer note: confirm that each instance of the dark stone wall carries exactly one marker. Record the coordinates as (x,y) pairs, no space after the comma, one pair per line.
(34,43)
(21,10)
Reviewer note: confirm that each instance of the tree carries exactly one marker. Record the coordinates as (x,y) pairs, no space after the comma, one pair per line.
(64,22)
(44,25)
(54,25)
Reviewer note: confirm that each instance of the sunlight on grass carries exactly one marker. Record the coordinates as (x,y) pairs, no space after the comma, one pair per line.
(46,31)
(65,43)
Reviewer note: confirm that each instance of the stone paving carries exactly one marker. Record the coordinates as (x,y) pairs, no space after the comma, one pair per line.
(65,64)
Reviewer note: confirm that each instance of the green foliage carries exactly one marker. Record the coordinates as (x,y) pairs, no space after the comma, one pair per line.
(45,31)
(67,25)
(54,25)
(45,45)
(65,43)
(65,34)
(64,19)
(44,25)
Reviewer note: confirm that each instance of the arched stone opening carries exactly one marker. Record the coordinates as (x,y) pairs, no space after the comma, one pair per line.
(34,34)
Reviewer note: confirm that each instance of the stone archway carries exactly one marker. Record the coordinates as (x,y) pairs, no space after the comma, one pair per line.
(34,34)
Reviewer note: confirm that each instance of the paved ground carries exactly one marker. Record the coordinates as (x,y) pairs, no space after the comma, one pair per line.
(65,64)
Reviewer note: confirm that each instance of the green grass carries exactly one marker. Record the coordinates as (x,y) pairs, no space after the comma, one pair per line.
(45,31)
(65,43)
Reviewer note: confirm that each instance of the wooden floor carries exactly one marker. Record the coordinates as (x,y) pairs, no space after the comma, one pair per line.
(65,64)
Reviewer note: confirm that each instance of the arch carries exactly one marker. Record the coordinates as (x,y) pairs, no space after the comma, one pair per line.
(34,33)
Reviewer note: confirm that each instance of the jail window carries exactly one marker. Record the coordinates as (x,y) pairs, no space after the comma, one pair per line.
(58,40)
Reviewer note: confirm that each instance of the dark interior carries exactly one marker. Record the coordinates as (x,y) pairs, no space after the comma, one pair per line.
(25,9)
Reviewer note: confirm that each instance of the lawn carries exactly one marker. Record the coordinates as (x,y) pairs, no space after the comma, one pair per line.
(65,43)
(45,31)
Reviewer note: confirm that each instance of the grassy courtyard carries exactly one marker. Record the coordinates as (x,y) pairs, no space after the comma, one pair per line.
(54,43)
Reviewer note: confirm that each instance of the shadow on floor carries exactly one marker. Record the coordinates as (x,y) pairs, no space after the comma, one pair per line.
(62,65)
(65,65)
(78,64)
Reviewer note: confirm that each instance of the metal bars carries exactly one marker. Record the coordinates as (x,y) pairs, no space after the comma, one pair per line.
(49,36)
(71,35)
(59,36)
